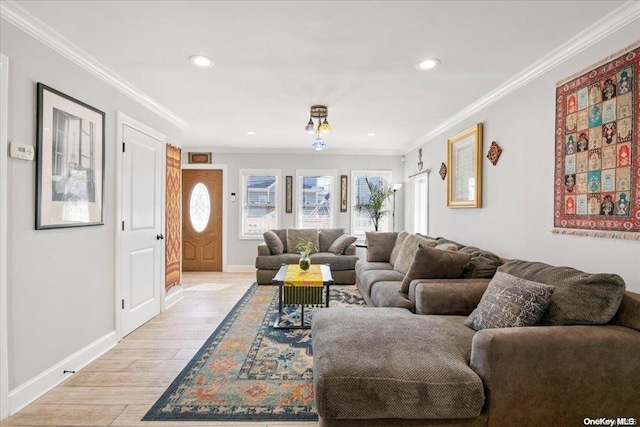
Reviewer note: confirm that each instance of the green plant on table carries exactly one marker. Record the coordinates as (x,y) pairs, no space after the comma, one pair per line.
(306,247)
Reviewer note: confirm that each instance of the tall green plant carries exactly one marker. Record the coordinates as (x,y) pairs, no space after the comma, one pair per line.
(374,207)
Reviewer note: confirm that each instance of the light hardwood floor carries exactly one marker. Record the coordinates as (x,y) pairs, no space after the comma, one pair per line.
(118,388)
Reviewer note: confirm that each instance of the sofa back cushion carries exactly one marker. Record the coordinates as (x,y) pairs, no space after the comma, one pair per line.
(326,236)
(282,234)
(431,263)
(579,298)
(296,236)
(396,247)
(483,264)
(408,251)
(273,242)
(379,245)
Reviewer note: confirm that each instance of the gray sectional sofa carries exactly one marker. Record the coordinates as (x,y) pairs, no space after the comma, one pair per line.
(335,248)
(536,345)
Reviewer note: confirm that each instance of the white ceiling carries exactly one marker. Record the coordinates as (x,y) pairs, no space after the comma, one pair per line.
(274,59)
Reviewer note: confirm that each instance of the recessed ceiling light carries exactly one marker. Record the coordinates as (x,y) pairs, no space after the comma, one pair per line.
(371,134)
(201,61)
(250,132)
(427,64)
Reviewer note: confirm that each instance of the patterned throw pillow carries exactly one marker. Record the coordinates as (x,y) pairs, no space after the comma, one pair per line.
(273,242)
(510,301)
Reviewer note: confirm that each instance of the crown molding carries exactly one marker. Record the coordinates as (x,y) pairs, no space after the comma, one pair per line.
(604,27)
(285,151)
(23,20)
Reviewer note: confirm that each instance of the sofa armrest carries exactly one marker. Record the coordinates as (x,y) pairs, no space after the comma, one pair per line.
(446,296)
(263,249)
(349,250)
(557,375)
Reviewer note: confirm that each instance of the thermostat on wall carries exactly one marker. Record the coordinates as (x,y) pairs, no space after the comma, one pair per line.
(19,150)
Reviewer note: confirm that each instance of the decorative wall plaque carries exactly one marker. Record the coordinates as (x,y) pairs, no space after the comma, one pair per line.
(494,153)
(443,171)
(202,158)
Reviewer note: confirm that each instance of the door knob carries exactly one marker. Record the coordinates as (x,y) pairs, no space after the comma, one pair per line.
(160,237)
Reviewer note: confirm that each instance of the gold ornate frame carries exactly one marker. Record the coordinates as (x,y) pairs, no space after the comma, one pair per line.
(464,178)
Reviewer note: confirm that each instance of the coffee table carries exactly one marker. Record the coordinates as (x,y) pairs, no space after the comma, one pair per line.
(296,287)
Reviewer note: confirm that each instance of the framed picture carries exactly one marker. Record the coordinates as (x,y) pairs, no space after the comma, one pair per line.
(464,177)
(70,172)
(343,193)
(199,158)
(288,204)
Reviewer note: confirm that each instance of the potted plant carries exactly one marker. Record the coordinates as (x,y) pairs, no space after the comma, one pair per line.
(374,207)
(305,248)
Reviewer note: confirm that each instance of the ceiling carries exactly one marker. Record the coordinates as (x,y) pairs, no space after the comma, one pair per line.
(274,59)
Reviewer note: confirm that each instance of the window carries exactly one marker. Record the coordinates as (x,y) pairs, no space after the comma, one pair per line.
(315,197)
(260,190)
(360,221)
(421,214)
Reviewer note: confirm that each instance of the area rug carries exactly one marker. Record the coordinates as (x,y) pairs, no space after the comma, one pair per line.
(247,370)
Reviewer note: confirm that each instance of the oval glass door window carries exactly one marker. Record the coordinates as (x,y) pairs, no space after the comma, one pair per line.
(199,207)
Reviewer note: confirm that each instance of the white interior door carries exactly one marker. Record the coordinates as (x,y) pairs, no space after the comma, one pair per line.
(142,233)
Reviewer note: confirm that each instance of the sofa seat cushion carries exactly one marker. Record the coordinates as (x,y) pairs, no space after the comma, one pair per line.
(579,298)
(336,262)
(386,294)
(365,368)
(362,266)
(273,262)
(368,278)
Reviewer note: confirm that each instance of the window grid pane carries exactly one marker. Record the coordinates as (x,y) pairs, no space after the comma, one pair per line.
(361,222)
(260,207)
(315,207)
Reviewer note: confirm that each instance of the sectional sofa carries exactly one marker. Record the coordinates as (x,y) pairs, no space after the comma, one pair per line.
(535,345)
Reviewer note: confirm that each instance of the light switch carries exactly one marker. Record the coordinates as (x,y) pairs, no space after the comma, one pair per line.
(233,197)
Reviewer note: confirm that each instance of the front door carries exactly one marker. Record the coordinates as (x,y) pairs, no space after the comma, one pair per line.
(201,220)
(142,244)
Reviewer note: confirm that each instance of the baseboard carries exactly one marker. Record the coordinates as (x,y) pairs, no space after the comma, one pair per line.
(240,269)
(42,383)
(173,298)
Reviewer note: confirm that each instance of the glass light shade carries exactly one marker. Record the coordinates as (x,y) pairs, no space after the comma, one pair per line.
(309,127)
(325,127)
(318,144)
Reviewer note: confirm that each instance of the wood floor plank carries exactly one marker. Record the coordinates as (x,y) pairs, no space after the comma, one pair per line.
(108,365)
(103,395)
(151,366)
(65,414)
(170,335)
(159,344)
(137,353)
(121,379)
(186,354)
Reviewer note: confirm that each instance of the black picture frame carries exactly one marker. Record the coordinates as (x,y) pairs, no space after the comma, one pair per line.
(343,193)
(288,203)
(70,155)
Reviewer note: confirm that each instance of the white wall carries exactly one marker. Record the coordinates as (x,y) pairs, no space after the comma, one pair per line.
(60,282)
(242,252)
(517,214)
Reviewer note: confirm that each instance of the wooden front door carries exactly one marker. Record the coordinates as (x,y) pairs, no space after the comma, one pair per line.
(201,220)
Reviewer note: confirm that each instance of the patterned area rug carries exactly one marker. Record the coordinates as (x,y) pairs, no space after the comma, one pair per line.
(247,370)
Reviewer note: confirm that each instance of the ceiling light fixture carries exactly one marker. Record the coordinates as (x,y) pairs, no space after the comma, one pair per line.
(250,132)
(371,134)
(318,112)
(427,64)
(201,61)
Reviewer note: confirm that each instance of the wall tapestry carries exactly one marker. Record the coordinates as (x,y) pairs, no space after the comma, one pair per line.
(597,169)
(173,239)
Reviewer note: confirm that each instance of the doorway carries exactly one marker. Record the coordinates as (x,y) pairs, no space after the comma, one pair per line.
(202,220)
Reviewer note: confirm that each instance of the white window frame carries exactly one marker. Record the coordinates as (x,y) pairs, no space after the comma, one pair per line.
(421,205)
(299,193)
(387,222)
(243,197)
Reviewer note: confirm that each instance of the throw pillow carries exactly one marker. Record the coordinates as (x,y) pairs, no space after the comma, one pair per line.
(326,236)
(579,299)
(408,251)
(510,301)
(447,246)
(483,263)
(273,242)
(342,243)
(396,247)
(431,263)
(296,236)
(379,245)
